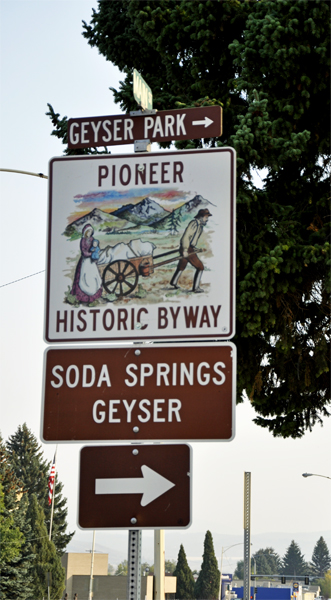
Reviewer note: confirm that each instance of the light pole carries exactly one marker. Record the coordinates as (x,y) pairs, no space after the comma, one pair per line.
(314,475)
(224,549)
(254,582)
(254,572)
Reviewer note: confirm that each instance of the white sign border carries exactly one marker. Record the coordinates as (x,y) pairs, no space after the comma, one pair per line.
(175,337)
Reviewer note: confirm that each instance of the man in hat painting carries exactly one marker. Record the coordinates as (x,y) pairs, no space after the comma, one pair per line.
(187,249)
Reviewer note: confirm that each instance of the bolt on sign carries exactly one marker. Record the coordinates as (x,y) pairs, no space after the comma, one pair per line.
(141,247)
(163,126)
(135,487)
(140,393)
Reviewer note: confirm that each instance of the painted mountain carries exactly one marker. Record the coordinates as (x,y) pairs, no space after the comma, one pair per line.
(145,212)
(182,214)
(99,219)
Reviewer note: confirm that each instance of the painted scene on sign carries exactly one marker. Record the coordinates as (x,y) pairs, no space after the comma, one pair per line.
(150,245)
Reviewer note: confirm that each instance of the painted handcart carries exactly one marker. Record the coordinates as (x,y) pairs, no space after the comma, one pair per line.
(120,277)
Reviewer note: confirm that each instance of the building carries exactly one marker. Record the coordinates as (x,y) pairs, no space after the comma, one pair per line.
(79,564)
(274,590)
(105,587)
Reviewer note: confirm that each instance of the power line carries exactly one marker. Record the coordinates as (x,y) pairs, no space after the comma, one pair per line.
(26,277)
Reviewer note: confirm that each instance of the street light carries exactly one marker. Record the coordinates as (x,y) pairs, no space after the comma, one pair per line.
(314,475)
(223,551)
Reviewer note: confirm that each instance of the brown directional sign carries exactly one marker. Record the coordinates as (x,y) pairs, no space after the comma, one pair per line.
(131,393)
(135,487)
(163,126)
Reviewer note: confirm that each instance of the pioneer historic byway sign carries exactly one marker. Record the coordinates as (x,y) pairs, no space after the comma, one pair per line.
(141,247)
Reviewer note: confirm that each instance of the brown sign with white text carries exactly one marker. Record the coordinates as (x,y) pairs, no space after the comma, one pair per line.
(132,393)
(135,487)
(163,126)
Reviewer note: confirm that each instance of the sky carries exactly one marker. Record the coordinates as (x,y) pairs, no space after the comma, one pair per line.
(45,59)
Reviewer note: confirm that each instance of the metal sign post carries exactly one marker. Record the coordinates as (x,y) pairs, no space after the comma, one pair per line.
(134,565)
(134,549)
(247,536)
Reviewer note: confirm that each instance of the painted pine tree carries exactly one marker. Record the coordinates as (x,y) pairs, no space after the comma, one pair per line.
(174,221)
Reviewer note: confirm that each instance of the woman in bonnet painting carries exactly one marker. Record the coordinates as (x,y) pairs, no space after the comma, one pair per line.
(87,285)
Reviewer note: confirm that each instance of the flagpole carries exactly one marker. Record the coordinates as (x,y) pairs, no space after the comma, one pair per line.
(53,494)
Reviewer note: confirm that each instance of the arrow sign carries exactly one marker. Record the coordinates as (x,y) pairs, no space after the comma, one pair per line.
(163,126)
(118,490)
(151,485)
(205,122)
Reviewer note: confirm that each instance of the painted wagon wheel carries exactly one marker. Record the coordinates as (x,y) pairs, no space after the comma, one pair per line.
(120,278)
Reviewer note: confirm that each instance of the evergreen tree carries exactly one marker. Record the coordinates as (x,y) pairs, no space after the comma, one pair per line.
(27,461)
(320,560)
(208,582)
(267,64)
(185,579)
(29,465)
(16,553)
(11,537)
(46,558)
(293,562)
(267,562)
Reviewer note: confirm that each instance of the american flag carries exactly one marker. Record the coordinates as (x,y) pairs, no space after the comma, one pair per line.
(51,480)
